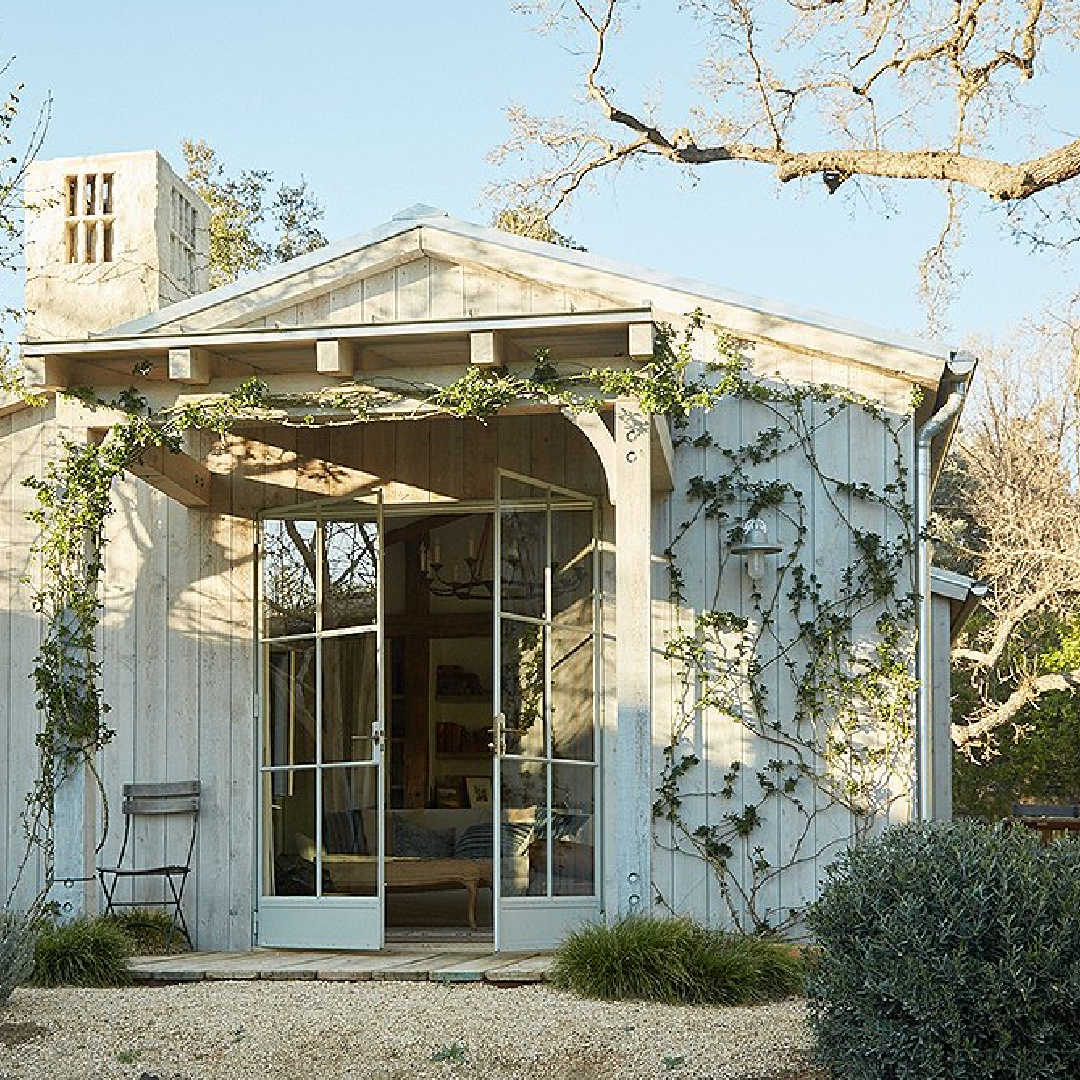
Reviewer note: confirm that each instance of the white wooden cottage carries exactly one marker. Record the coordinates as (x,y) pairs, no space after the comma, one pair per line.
(372,642)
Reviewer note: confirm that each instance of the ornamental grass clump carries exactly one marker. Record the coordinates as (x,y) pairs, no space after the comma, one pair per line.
(150,931)
(83,952)
(17,937)
(675,961)
(949,951)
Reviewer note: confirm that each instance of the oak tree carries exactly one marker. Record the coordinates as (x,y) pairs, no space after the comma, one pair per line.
(892,89)
(252,223)
(1009,513)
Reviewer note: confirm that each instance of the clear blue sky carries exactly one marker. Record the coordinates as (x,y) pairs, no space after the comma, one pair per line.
(379,104)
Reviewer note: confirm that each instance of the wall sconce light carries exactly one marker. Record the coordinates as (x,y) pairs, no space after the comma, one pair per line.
(755,546)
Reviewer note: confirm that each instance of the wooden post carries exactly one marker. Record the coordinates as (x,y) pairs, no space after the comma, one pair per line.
(72,871)
(941,720)
(631,791)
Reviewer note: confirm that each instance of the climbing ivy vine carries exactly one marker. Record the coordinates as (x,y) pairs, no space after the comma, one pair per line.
(816,669)
(794,668)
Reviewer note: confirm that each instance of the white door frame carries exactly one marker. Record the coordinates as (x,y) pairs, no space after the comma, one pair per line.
(527,922)
(323,921)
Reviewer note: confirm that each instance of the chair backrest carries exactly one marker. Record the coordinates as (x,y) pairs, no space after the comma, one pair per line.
(173,797)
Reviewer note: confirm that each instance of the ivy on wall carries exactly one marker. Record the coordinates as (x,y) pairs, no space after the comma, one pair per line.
(817,671)
(838,736)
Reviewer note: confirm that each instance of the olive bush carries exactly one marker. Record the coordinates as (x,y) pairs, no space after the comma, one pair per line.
(17,938)
(949,951)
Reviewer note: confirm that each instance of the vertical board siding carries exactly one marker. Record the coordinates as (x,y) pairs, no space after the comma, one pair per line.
(797,843)
(32,436)
(431,288)
(120,662)
(177,632)
(10,777)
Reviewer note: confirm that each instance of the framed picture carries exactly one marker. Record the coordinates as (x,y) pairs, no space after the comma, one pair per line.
(448,796)
(479,790)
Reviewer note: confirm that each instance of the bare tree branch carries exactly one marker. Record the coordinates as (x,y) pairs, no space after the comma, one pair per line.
(895,75)
(1028,692)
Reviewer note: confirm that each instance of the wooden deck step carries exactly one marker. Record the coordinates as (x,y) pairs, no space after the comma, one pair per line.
(413,961)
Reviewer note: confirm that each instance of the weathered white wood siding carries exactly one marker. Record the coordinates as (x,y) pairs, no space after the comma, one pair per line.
(849,446)
(178,621)
(26,439)
(178,617)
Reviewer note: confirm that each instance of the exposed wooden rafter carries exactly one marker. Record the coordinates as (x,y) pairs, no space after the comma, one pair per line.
(176,474)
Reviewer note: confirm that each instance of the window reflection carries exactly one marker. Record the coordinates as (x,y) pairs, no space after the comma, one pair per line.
(350,574)
(288,578)
(522,671)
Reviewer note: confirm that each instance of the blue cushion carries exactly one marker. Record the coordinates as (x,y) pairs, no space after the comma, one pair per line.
(417,842)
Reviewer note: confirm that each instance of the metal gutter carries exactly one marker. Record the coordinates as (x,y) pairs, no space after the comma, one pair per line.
(958,375)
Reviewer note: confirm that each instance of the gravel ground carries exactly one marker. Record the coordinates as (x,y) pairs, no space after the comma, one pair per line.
(386,1031)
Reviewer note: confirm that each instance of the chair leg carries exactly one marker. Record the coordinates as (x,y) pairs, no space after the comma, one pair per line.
(179,922)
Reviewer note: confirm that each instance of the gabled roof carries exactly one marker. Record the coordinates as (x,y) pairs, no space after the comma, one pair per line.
(424,230)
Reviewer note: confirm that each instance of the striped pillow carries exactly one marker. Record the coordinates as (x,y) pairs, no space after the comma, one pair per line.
(477,841)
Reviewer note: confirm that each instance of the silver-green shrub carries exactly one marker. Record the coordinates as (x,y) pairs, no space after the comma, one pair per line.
(950,951)
(17,937)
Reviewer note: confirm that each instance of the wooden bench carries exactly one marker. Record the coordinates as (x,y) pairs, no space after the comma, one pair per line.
(357,872)
(1049,820)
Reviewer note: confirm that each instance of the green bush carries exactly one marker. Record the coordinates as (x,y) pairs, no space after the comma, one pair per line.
(17,937)
(675,961)
(150,931)
(949,951)
(83,952)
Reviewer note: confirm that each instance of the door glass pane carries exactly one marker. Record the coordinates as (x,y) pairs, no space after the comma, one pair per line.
(350,830)
(523,561)
(522,686)
(350,697)
(572,567)
(289,715)
(289,833)
(350,573)
(571,694)
(572,830)
(524,802)
(288,578)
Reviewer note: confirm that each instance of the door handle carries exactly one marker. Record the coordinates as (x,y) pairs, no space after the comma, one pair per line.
(498,742)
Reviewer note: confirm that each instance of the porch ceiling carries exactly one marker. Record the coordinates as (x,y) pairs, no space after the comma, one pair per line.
(367,350)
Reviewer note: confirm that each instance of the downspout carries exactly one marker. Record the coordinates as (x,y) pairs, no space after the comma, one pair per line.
(960,367)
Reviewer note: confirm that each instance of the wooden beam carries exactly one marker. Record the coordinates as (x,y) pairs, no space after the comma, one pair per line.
(11,403)
(335,357)
(603,442)
(640,340)
(47,372)
(486,348)
(663,455)
(190,365)
(176,474)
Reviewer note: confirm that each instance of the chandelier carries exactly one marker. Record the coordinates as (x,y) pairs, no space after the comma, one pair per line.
(471,577)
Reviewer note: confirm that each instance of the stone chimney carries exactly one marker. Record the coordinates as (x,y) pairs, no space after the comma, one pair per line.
(109,238)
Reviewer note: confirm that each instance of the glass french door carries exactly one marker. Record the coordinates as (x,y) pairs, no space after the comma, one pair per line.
(321,833)
(546,734)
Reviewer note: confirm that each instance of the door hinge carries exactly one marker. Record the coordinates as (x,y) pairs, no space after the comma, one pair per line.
(254,926)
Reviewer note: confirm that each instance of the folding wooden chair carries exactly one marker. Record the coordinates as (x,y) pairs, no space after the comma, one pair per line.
(151,800)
